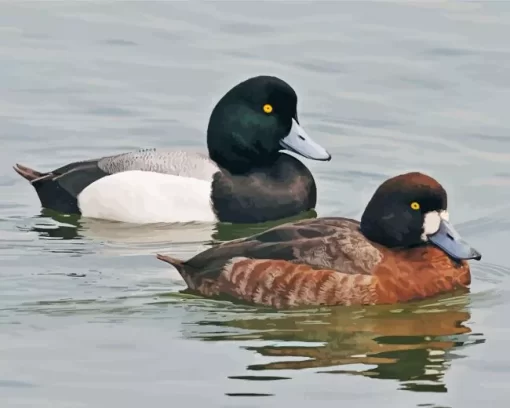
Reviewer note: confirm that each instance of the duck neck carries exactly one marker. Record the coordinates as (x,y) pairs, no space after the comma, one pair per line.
(240,161)
(375,229)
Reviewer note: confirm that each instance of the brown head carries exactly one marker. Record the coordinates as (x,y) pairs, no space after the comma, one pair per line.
(410,210)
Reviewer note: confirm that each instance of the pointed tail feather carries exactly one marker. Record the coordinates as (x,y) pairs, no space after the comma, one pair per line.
(27,173)
(176,263)
(187,273)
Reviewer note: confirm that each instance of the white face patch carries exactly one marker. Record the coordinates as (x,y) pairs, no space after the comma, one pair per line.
(432,222)
(444,215)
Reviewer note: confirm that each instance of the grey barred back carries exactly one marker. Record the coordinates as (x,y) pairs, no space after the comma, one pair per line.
(176,162)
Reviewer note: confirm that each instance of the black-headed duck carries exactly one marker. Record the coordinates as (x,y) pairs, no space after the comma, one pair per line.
(403,249)
(245,179)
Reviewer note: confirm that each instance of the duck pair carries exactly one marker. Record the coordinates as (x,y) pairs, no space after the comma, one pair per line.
(403,249)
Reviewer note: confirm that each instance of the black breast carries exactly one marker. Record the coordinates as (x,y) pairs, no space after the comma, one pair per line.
(284,189)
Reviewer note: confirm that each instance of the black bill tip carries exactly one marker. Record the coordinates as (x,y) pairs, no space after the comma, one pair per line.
(449,240)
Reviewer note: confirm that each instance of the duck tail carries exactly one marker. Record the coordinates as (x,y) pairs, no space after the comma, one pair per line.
(176,263)
(27,173)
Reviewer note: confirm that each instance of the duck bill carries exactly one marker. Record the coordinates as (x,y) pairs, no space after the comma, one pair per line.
(451,242)
(299,142)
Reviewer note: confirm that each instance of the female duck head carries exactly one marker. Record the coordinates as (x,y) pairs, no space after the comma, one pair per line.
(253,122)
(410,210)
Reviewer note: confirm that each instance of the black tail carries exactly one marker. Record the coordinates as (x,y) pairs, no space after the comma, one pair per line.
(51,194)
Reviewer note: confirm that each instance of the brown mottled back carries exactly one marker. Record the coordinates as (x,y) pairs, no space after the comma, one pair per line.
(334,243)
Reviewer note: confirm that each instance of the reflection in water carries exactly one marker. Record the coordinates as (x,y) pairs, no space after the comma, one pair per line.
(51,224)
(228,232)
(54,225)
(411,343)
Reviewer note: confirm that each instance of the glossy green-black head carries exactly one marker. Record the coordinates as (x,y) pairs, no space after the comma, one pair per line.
(410,210)
(254,121)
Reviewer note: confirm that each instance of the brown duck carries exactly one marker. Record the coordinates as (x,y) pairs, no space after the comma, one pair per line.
(403,249)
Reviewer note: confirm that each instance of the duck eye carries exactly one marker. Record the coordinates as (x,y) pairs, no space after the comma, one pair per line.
(415,206)
(267,108)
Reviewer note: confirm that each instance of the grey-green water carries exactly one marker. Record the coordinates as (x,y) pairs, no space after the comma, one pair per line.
(89,317)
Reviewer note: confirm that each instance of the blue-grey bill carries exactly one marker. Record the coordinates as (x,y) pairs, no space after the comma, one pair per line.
(299,142)
(451,242)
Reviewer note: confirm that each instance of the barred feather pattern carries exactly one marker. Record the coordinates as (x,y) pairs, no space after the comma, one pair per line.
(283,284)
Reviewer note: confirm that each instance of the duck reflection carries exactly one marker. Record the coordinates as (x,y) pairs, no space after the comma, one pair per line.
(227,232)
(413,344)
(50,224)
(54,225)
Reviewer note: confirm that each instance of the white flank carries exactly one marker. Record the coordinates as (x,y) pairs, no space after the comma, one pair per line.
(143,197)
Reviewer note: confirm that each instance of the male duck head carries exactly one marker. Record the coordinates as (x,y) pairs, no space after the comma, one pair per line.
(410,210)
(253,122)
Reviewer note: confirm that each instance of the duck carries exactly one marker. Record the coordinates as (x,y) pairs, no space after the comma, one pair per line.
(404,248)
(247,178)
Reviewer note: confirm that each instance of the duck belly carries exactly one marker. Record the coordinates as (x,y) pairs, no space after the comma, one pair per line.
(144,197)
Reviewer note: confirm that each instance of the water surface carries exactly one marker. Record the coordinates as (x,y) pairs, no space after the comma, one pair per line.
(89,317)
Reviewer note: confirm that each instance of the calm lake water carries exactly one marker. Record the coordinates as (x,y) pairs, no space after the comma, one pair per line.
(89,317)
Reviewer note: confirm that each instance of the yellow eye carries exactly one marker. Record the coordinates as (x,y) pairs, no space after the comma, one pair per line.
(267,108)
(415,205)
